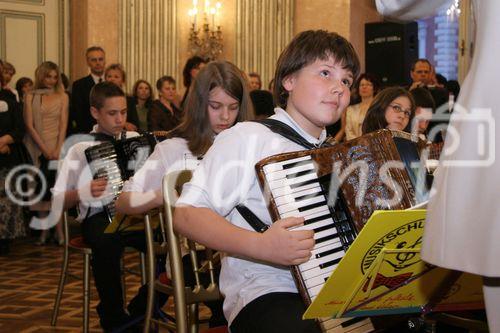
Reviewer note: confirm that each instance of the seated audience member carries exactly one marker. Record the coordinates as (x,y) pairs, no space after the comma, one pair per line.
(143,98)
(424,109)
(422,76)
(164,114)
(393,108)
(191,68)
(75,186)
(366,88)
(217,100)
(116,74)
(255,81)
(263,103)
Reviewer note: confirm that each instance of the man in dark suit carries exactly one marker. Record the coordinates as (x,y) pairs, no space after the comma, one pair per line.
(80,119)
(423,76)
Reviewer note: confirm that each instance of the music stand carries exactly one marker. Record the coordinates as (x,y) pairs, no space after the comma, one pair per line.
(382,273)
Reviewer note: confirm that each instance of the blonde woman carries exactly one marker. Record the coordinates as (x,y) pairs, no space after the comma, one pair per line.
(46,120)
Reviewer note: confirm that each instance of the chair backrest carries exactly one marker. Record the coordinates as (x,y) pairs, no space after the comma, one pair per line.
(185,296)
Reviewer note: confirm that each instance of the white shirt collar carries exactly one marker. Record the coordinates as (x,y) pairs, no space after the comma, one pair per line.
(282,115)
(96,78)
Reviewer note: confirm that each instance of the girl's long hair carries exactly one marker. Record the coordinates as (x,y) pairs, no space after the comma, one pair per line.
(195,126)
(375,116)
(42,71)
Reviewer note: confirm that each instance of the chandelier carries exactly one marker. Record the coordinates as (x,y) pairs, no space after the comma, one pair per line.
(206,41)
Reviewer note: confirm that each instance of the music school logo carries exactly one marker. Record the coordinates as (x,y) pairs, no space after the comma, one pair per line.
(399,238)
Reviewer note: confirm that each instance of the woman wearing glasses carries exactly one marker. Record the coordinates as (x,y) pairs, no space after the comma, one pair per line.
(392,108)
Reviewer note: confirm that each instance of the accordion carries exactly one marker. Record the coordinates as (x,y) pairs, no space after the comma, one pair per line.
(336,189)
(117,161)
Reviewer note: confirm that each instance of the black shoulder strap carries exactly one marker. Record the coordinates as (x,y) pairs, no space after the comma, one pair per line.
(286,131)
(102,137)
(252,219)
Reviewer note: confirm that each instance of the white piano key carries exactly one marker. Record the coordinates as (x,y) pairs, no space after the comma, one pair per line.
(324,246)
(287,190)
(314,291)
(324,233)
(284,182)
(296,205)
(319,279)
(315,225)
(292,196)
(279,165)
(283,173)
(306,213)
(315,262)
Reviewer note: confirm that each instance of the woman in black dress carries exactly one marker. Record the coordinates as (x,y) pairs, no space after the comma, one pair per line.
(11,154)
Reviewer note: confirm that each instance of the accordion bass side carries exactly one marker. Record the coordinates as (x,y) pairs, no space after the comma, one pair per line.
(336,189)
(117,161)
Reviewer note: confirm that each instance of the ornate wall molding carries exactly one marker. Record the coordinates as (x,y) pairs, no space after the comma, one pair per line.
(38,18)
(148,41)
(263,29)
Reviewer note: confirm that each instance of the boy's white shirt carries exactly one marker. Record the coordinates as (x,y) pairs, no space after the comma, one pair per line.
(231,180)
(74,173)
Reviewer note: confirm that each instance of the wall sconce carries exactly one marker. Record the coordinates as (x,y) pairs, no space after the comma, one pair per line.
(207,41)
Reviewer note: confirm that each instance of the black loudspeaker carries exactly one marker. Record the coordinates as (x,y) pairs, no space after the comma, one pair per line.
(390,49)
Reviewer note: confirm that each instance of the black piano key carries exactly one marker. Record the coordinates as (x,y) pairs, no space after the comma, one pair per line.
(330,263)
(326,238)
(317,219)
(311,206)
(307,196)
(296,164)
(300,173)
(307,182)
(330,251)
(323,228)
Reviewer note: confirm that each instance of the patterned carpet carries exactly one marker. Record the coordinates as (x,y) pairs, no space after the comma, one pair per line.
(28,283)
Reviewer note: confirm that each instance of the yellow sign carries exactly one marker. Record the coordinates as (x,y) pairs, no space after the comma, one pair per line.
(382,273)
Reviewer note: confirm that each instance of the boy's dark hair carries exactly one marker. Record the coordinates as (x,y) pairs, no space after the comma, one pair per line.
(375,116)
(93,48)
(423,98)
(101,91)
(453,87)
(262,103)
(307,47)
(163,79)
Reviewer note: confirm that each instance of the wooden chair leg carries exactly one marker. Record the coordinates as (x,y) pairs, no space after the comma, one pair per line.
(60,288)
(86,292)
